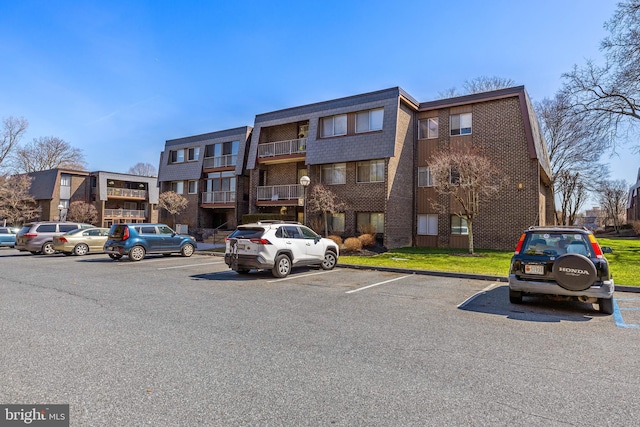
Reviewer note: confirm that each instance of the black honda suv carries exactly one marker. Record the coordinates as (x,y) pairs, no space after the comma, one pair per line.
(561,261)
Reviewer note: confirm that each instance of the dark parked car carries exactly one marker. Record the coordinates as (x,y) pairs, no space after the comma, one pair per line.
(565,262)
(38,236)
(137,240)
(7,236)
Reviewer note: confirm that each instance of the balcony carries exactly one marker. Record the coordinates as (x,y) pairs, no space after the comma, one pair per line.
(126,193)
(282,148)
(125,213)
(275,193)
(220,162)
(219,197)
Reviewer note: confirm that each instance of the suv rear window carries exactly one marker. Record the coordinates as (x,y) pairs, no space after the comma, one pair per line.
(557,244)
(247,233)
(117,231)
(67,227)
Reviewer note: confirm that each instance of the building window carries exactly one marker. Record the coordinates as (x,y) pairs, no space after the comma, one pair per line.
(176,156)
(371,171)
(193,154)
(370,222)
(367,121)
(335,173)
(221,181)
(193,187)
(460,124)
(424,177)
(458,225)
(221,155)
(177,186)
(65,180)
(334,125)
(428,128)
(336,223)
(427,224)
(64,203)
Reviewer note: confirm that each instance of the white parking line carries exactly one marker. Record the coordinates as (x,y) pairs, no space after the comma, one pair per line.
(376,284)
(190,265)
(477,294)
(297,276)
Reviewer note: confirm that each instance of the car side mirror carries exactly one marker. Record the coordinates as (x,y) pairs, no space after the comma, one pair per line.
(317,239)
(606,250)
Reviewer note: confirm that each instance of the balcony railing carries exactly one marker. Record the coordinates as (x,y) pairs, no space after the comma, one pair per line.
(125,213)
(280,192)
(126,192)
(220,161)
(283,148)
(219,197)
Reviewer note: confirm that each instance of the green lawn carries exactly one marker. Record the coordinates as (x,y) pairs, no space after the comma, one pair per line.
(624,261)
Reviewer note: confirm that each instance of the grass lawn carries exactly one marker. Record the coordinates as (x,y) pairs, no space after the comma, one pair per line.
(624,261)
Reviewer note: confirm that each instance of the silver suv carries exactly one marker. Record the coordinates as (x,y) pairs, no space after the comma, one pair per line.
(278,246)
(38,236)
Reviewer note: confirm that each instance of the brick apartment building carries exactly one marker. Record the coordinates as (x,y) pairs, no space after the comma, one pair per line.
(371,150)
(117,197)
(633,203)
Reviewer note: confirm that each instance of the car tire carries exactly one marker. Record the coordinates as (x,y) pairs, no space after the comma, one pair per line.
(81,249)
(605,305)
(329,261)
(515,297)
(187,250)
(47,248)
(282,266)
(136,253)
(115,256)
(574,272)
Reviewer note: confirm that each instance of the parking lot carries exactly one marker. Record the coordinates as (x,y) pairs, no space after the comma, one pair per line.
(186,341)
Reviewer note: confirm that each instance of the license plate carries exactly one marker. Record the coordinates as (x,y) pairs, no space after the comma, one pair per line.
(534,269)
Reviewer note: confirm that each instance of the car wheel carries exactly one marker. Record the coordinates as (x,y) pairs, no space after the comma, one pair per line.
(605,305)
(47,248)
(81,249)
(515,297)
(282,266)
(187,250)
(136,253)
(115,256)
(574,272)
(329,261)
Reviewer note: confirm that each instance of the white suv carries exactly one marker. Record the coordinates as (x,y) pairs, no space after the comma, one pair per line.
(278,246)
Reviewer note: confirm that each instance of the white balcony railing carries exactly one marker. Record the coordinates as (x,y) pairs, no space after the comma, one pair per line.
(126,192)
(220,161)
(281,192)
(125,213)
(282,148)
(219,197)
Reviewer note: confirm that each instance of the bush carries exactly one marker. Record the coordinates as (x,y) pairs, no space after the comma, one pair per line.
(336,239)
(352,244)
(636,227)
(367,229)
(367,240)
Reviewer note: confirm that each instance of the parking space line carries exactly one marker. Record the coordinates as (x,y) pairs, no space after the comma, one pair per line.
(377,284)
(477,294)
(298,276)
(190,265)
(617,313)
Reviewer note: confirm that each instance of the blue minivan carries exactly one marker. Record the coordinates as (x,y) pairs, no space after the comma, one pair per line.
(137,240)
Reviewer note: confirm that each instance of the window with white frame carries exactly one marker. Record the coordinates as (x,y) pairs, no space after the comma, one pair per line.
(370,221)
(367,121)
(428,128)
(193,154)
(65,180)
(459,225)
(177,187)
(371,171)
(424,177)
(335,173)
(460,124)
(427,224)
(192,187)
(333,126)
(176,156)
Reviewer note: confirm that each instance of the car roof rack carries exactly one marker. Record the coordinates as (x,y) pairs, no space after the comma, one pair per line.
(562,227)
(276,221)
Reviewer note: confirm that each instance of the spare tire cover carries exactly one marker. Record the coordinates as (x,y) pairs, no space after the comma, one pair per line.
(574,272)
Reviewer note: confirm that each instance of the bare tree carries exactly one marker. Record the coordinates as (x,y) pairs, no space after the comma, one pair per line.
(470,177)
(17,206)
(324,201)
(80,211)
(12,131)
(173,203)
(143,169)
(48,153)
(612,197)
(486,84)
(572,192)
(610,93)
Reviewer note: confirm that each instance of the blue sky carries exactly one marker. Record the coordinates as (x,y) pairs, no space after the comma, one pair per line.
(119,78)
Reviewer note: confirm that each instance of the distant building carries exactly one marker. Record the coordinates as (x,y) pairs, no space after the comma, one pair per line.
(633,203)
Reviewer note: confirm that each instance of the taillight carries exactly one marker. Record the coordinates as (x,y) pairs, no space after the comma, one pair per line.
(125,235)
(261,241)
(595,246)
(62,239)
(520,242)
(30,235)
(226,239)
